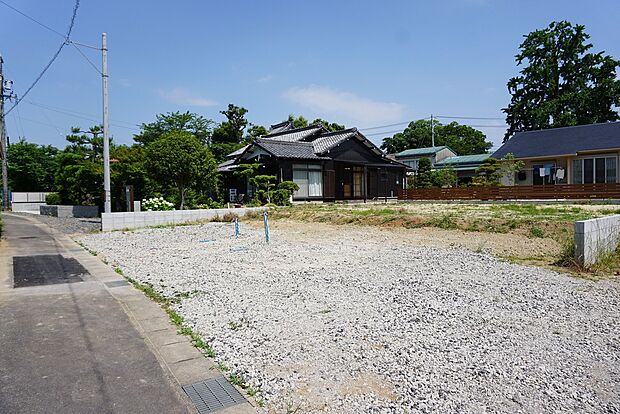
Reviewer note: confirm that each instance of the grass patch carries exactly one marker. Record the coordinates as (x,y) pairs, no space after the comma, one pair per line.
(537,232)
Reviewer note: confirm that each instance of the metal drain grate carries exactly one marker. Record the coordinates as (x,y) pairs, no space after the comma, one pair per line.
(46,269)
(213,394)
(116,283)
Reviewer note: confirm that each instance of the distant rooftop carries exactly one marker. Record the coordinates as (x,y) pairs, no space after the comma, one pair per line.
(562,141)
(420,151)
(463,159)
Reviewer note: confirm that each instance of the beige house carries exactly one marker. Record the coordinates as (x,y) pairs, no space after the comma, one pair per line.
(584,154)
(411,157)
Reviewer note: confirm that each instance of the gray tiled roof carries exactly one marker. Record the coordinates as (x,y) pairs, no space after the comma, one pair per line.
(227,165)
(328,141)
(284,149)
(238,152)
(294,135)
(562,141)
(282,126)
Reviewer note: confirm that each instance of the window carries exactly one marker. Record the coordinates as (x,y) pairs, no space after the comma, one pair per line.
(595,170)
(309,178)
(588,171)
(577,171)
(358,177)
(414,164)
(612,171)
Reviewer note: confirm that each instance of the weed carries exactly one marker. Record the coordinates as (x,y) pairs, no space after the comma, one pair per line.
(324,311)
(118,270)
(237,380)
(222,367)
(537,232)
(445,221)
(233,326)
(566,257)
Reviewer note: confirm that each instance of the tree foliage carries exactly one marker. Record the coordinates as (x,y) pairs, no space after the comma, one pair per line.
(561,82)
(31,167)
(178,158)
(301,122)
(424,178)
(462,139)
(488,174)
(195,124)
(231,130)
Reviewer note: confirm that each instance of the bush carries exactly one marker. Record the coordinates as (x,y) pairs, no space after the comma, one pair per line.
(209,204)
(157,204)
(52,199)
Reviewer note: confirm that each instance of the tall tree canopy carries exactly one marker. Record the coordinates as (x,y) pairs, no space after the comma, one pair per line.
(561,83)
(31,167)
(462,139)
(231,130)
(301,122)
(195,124)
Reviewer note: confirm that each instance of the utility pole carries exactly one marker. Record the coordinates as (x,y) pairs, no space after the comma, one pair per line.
(3,139)
(432,131)
(106,126)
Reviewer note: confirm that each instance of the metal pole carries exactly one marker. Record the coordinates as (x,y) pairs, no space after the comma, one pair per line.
(432,132)
(3,146)
(106,126)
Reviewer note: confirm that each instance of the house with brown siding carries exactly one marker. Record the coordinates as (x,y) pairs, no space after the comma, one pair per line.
(584,154)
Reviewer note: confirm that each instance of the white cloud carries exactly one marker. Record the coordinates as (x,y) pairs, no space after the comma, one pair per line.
(265,78)
(182,96)
(338,104)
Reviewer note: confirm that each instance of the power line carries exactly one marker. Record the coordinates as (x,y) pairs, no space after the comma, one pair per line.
(86,58)
(82,115)
(470,117)
(62,45)
(32,19)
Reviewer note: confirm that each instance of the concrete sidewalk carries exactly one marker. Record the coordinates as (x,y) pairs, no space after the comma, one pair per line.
(93,346)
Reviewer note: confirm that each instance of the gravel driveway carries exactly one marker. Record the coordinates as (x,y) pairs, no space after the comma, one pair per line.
(359,322)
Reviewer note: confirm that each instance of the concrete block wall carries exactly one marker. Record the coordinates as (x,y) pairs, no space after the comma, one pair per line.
(33,207)
(134,220)
(596,237)
(70,211)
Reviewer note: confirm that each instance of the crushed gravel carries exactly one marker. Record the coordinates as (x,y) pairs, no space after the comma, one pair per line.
(69,225)
(360,322)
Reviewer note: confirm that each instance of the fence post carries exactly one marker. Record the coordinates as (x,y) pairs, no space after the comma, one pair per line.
(266,221)
(236,227)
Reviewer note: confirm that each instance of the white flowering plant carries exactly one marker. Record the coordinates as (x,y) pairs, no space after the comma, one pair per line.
(156,204)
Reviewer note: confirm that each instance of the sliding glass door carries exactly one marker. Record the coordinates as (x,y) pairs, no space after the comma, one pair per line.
(595,170)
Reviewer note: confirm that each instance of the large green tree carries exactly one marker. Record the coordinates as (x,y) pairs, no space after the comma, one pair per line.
(462,139)
(561,83)
(231,130)
(178,158)
(301,122)
(31,167)
(195,124)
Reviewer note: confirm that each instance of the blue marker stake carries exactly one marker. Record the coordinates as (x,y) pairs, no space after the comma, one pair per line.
(266,220)
(236,228)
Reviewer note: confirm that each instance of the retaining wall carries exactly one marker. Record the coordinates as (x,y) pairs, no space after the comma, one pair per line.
(134,220)
(596,237)
(70,211)
(28,202)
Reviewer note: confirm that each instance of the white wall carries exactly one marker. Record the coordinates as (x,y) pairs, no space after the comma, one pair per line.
(134,220)
(596,237)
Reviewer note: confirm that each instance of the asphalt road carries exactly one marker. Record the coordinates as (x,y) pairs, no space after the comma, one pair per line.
(70,347)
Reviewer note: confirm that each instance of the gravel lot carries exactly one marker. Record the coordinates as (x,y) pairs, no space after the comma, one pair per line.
(355,320)
(69,225)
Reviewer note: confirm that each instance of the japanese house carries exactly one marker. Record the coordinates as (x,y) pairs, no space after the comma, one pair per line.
(584,154)
(327,166)
(411,157)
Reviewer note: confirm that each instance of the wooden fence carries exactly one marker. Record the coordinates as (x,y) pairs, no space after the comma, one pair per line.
(521,192)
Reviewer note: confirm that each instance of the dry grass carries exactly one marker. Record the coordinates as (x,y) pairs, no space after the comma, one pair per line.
(526,223)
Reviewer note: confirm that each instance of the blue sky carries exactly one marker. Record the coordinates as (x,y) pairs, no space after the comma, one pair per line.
(361,63)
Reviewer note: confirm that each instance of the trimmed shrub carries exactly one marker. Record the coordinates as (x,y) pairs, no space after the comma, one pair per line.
(52,199)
